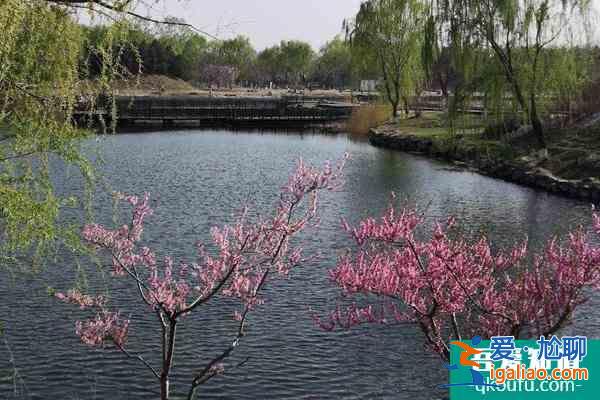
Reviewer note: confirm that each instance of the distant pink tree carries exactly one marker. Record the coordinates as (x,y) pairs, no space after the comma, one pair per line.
(454,288)
(248,255)
(223,76)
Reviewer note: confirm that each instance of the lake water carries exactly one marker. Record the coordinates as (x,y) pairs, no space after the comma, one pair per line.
(198,179)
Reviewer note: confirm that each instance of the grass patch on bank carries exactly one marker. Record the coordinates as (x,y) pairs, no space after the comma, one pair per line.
(464,134)
(437,123)
(574,150)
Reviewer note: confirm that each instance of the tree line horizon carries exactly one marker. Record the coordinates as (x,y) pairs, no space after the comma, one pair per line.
(538,52)
(180,52)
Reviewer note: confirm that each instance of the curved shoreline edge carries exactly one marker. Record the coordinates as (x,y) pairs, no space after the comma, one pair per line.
(510,171)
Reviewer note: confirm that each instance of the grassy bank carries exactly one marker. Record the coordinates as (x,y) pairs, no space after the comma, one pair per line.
(573,151)
(465,135)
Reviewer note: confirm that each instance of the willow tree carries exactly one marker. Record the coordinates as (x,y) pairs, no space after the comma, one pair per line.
(452,54)
(391,31)
(39,56)
(520,35)
(42,78)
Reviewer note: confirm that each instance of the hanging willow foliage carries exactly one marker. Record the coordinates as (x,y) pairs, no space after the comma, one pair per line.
(44,55)
(391,33)
(521,55)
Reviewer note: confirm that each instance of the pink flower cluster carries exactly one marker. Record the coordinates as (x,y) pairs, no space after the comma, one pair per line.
(74,296)
(453,287)
(122,241)
(105,326)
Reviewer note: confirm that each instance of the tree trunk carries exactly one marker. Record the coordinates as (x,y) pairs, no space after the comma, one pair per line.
(168,349)
(538,129)
(445,95)
(406,107)
(531,108)
(443,86)
(394,108)
(164,387)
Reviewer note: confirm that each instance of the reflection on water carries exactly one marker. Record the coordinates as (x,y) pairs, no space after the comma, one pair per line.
(198,180)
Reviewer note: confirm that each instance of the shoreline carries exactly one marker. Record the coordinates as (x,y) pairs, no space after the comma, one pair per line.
(510,171)
(329,128)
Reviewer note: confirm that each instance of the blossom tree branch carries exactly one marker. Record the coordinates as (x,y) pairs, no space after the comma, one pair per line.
(215,366)
(140,358)
(248,255)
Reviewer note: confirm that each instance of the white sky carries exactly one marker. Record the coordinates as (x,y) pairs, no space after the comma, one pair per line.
(265,22)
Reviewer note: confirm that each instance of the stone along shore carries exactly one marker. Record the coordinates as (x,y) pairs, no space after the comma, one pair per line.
(513,170)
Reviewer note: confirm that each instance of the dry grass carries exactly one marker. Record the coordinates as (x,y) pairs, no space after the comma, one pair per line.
(162,85)
(366,117)
(144,85)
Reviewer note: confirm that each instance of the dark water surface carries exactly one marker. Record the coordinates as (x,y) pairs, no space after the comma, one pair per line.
(198,180)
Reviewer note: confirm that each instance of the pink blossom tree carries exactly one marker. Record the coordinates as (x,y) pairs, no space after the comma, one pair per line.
(223,76)
(248,255)
(454,288)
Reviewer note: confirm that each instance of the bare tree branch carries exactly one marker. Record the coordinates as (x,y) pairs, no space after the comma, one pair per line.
(122,8)
(138,357)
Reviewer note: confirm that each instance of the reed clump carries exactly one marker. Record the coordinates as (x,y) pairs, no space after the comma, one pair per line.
(365,117)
